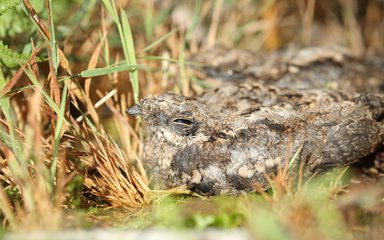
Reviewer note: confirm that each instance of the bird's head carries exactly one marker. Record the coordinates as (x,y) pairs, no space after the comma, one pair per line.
(171,116)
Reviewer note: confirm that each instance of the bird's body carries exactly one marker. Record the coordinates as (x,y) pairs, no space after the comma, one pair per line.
(331,67)
(230,139)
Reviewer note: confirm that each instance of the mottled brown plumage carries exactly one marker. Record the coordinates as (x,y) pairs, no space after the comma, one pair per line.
(330,67)
(227,140)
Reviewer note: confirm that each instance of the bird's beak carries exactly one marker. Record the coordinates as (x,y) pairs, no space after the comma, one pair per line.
(135,110)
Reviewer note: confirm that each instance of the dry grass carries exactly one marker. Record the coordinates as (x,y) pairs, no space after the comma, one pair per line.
(113,179)
(63,111)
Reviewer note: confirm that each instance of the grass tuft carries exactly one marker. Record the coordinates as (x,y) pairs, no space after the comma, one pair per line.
(112,177)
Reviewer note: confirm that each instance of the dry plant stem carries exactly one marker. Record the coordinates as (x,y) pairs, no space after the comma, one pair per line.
(85,94)
(300,176)
(215,24)
(272,34)
(34,119)
(63,60)
(35,67)
(307,22)
(354,32)
(52,43)
(93,63)
(8,86)
(110,95)
(106,99)
(53,83)
(77,91)
(269,37)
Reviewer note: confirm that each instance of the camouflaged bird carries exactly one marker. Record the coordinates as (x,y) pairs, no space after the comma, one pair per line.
(331,67)
(230,139)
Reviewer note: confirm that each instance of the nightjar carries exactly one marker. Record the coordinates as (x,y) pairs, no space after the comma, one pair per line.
(331,67)
(229,139)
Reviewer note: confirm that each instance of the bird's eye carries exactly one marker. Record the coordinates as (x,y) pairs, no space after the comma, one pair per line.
(183,121)
(184,126)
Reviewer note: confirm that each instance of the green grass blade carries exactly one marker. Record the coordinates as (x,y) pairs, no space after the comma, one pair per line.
(17,165)
(126,39)
(47,98)
(149,24)
(295,156)
(6,109)
(130,56)
(195,21)
(2,80)
(160,40)
(109,5)
(52,42)
(58,129)
(108,70)
(172,60)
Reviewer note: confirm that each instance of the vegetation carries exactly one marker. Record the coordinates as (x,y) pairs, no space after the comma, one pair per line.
(70,157)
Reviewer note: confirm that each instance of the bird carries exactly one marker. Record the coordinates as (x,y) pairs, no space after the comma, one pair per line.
(312,67)
(230,139)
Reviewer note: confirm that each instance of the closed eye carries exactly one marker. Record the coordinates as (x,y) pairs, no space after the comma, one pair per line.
(184,126)
(183,121)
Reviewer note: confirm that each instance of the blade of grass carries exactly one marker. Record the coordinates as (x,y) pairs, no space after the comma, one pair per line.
(58,131)
(184,80)
(16,164)
(126,39)
(92,65)
(15,143)
(159,40)
(148,20)
(110,6)
(8,138)
(52,41)
(172,60)
(36,84)
(108,70)
(105,43)
(215,23)
(99,103)
(52,56)
(130,56)
(293,159)
(195,21)
(60,116)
